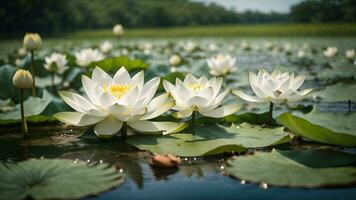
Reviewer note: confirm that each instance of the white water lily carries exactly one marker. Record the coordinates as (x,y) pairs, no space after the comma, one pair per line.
(245,46)
(190,46)
(87,56)
(276,87)
(199,95)
(350,54)
(213,47)
(106,47)
(32,41)
(56,62)
(118,30)
(301,54)
(118,102)
(221,65)
(330,52)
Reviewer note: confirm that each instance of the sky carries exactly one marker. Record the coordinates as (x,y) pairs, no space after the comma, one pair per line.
(282,6)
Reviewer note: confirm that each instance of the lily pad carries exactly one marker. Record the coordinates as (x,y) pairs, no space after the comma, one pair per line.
(328,128)
(288,168)
(55,179)
(113,64)
(212,140)
(337,92)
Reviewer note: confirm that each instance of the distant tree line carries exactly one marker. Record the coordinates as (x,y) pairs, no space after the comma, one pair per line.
(58,16)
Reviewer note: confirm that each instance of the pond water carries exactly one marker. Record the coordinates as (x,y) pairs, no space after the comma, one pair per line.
(196,177)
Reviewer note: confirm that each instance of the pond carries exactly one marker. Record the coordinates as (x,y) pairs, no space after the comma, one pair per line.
(197,176)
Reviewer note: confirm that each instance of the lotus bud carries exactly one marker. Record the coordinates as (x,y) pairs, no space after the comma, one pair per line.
(22,79)
(175,60)
(118,30)
(32,41)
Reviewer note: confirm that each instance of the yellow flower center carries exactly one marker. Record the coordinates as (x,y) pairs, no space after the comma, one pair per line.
(220,58)
(195,86)
(117,90)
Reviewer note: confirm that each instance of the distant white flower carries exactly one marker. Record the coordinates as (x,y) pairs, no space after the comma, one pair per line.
(106,47)
(212,47)
(87,56)
(22,51)
(173,69)
(244,45)
(287,47)
(330,52)
(306,46)
(350,54)
(118,30)
(199,95)
(116,102)
(175,60)
(269,45)
(277,87)
(221,65)
(56,62)
(301,54)
(190,46)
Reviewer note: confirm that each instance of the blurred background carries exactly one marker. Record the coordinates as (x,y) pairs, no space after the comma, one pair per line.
(55,18)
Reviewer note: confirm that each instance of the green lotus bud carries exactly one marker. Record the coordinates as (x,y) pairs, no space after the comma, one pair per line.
(22,79)
(32,41)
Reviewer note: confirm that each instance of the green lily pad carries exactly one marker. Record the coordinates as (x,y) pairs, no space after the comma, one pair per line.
(328,128)
(113,64)
(288,168)
(337,92)
(212,140)
(55,179)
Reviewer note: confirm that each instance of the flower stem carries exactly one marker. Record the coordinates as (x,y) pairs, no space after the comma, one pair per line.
(192,122)
(124,130)
(52,80)
(33,73)
(270,114)
(23,119)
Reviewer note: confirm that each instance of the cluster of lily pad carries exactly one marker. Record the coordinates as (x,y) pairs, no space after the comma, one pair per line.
(183,114)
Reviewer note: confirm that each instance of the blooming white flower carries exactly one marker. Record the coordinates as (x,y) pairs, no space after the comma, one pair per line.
(116,102)
(106,47)
(32,41)
(118,30)
(350,54)
(56,62)
(330,52)
(244,45)
(175,60)
(221,65)
(190,46)
(200,95)
(212,47)
(301,54)
(269,45)
(287,47)
(86,56)
(276,87)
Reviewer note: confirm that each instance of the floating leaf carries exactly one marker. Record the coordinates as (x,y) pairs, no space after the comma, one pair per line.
(55,179)
(286,168)
(337,92)
(113,64)
(212,140)
(329,128)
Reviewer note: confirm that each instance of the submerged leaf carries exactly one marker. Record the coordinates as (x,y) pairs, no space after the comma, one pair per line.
(55,179)
(288,168)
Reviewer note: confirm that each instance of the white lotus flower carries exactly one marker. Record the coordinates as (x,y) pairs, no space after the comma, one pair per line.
(118,30)
(221,65)
(213,47)
(175,60)
(118,102)
(244,45)
(56,62)
(200,95)
(32,41)
(350,54)
(330,52)
(287,47)
(277,87)
(301,54)
(106,47)
(87,56)
(190,46)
